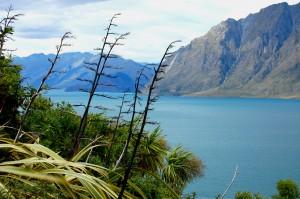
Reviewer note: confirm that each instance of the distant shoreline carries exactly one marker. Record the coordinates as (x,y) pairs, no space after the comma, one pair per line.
(294,98)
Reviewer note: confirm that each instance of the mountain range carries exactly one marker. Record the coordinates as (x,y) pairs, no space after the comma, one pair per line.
(258,56)
(70,71)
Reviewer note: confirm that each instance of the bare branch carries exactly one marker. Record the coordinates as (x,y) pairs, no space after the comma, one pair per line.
(143,122)
(105,96)
(235,174)
(133,106)
(108,159)
(7,29)
(103,108)
(114,67)
(99,68)
(91,64)
(79,105)
(59,72)
(84,90)
(84,80)
(152,122)
(107,85)
(53,62)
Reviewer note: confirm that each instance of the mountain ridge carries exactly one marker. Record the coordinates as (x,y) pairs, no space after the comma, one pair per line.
(257,56)
(36,65)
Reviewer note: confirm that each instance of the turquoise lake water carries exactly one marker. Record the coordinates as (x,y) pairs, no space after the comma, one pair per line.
(261,136)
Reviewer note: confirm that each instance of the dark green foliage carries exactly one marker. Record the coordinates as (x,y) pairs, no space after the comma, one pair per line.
(151,187)
(55,124)
(37,190)
(152,151)
(181,167)
(243,195)
(192,195)
(258,196)
(247,195)
(287,189)
(10,91)
(119,143)
(10,78)
(98,124)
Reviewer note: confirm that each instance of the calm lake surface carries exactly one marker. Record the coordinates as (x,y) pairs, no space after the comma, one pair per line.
(261,136)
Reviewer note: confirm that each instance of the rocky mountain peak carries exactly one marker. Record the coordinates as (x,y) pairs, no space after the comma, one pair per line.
(253,56)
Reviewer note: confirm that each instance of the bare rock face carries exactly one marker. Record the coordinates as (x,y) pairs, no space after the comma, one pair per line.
(258,56)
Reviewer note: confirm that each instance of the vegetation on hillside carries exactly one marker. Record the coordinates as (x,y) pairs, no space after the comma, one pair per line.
(48,150)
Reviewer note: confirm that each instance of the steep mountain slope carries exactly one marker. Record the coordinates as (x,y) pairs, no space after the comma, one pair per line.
(35,67)
(257,56)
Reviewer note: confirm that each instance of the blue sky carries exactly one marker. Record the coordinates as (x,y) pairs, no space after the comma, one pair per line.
(152,23)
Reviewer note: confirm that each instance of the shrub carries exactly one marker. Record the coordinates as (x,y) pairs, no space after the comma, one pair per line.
(247,195)
(287,189)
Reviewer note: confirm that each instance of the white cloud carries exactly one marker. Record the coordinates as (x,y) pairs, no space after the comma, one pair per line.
(152,23)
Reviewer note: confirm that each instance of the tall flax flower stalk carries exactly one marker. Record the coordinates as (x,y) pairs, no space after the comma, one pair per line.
(98,73)
(6,29)
(134,112)
(151,98)
(50,71)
